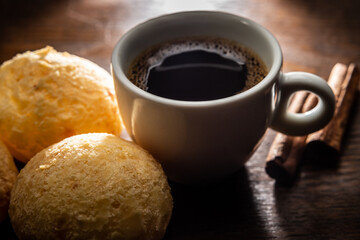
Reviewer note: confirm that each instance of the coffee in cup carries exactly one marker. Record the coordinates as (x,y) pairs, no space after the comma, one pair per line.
(197,69)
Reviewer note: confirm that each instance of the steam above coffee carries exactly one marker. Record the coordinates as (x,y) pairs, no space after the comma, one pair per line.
(197,69)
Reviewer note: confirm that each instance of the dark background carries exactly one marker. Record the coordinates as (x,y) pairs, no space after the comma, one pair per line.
(324,203)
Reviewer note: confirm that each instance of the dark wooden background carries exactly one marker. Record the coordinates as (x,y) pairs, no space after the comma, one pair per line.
(324,203)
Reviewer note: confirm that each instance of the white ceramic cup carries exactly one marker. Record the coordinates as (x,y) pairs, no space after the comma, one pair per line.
(203,140)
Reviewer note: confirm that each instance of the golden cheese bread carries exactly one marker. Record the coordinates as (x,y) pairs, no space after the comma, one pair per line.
(8,173)
(47,96)
(91,186)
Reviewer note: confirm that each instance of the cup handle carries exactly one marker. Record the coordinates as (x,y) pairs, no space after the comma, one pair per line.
(298,124)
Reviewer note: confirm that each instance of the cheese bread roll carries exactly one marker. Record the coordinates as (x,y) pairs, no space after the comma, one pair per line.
(91,186)
(8,173)
(47,96)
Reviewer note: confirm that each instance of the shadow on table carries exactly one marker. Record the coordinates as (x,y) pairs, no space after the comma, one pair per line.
(224,210)
(6,231)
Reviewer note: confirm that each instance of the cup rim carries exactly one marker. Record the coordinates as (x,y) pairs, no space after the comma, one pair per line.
(269,78)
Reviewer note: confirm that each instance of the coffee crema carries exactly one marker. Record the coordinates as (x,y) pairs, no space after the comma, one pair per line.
(197,69)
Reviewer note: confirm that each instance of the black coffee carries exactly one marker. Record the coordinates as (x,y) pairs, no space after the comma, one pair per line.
(197,69)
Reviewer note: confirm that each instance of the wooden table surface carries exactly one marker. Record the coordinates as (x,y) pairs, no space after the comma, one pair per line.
(324,203)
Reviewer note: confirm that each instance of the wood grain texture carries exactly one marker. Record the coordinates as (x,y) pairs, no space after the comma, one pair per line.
(314,35)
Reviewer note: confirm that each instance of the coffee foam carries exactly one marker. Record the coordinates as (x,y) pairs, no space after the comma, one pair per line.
(256,69)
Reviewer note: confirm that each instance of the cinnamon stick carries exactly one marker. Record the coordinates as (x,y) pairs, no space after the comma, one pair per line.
(277,156)
(324,146)
(286,152)
(283,160)
(280,147)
